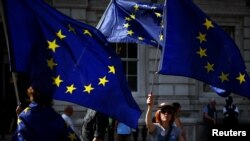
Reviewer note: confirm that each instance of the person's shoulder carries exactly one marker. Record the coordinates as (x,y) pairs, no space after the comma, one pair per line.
(178,122)
(157,125)
(176,129)
(234,105)
(205,108)
(27,112)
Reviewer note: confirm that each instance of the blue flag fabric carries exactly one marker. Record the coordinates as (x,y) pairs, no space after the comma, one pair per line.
(220,92)
(133,22)
(49,125)
(197,47)
(68,58)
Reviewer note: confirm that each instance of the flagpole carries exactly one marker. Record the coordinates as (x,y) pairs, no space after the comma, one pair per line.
(103,16)
(155,70)
(156,55)
(7,43)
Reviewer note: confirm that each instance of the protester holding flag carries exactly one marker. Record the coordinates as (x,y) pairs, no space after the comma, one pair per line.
(40,122)
(163,129)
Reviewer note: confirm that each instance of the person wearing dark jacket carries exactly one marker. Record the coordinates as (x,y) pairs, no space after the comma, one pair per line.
(230,112)
(39,121)
(94,126)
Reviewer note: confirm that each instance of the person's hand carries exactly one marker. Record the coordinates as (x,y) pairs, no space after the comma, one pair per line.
(19,109)
(150,100)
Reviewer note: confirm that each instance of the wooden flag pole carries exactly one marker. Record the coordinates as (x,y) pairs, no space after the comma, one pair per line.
(7,43)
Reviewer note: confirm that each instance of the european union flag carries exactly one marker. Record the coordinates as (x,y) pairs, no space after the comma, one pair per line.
(133,22)
(40,123)
(68,58)
(197,47)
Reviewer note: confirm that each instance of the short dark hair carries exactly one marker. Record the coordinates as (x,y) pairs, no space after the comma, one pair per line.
(176,105)
(42,99)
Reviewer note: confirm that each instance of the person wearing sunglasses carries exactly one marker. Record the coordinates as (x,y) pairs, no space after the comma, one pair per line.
(163,129)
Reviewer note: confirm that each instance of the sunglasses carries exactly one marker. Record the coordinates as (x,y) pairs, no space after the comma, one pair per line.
(167,111)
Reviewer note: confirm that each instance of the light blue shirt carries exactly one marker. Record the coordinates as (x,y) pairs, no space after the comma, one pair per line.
(123,129)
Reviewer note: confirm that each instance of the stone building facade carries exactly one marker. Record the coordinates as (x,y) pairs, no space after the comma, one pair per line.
(232,15)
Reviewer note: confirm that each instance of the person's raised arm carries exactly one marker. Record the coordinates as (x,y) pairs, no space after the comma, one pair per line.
(148,119)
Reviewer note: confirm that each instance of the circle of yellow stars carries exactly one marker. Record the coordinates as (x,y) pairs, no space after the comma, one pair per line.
(202,52)
(132,17)
(51,63)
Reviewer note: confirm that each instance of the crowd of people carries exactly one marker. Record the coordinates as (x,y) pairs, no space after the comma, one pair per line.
(39,120)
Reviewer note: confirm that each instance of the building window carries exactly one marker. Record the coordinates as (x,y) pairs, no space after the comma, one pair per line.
(128,54)
(231,31)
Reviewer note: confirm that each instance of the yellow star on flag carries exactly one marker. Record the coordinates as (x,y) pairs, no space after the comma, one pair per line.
(111,69)
(70,89)
(71,29)
(51,63)
(72,136)
(209,67)
(53,45)
(85,31)
(127,18)
(60,35)
(126,25)
(19,121)
(132,16)
(26,109)
(103,81)
(140,38)
(161,37)
(136,7)
(202,52)
(208,24)
(224,77)
(130,32)
(153,7)
(158,14)
(202,37)
(88,88)
(241,78)
(57,81)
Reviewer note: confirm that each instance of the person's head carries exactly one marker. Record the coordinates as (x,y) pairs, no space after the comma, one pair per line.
(229,100)
(212,102)
(165,113)
(38,97)
(69,110)
(177,107)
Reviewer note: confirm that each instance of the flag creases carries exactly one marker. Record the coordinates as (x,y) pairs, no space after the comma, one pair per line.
(197,47)
(69,59)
